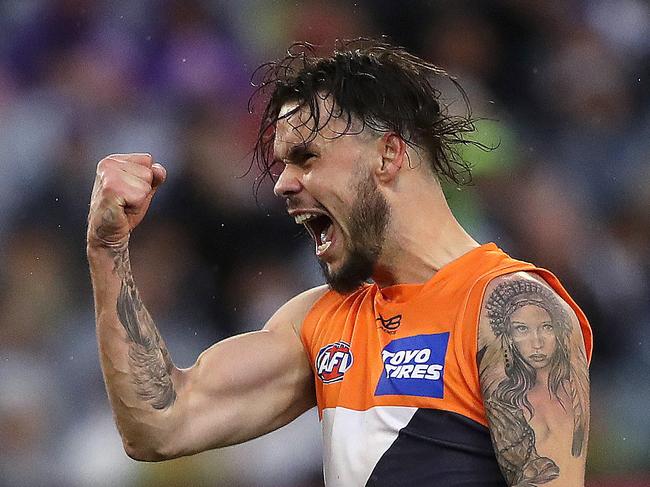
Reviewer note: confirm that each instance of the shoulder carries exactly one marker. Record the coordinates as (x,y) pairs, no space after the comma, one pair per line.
(294,311)
(520,278)
(522,293)
(519,289)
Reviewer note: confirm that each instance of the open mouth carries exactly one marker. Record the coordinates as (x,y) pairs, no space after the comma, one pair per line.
(320,227)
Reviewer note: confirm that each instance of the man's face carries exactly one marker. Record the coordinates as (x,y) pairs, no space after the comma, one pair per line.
(329,187)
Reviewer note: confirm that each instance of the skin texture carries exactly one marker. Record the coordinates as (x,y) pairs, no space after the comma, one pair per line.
(533,374)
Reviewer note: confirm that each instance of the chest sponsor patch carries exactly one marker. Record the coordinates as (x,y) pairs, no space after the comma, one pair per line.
(333,361)
(414,366)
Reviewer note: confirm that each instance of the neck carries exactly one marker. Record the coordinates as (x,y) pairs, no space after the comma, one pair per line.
(423,236)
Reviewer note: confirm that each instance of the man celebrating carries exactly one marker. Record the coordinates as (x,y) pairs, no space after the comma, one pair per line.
(433,360)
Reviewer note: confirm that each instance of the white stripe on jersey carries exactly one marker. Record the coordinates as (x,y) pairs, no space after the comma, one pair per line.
(354,441)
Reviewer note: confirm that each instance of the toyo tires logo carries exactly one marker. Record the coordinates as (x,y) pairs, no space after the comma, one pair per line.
(414,366)
(333,361)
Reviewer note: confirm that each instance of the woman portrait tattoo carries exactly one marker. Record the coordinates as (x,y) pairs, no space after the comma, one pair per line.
(532,331)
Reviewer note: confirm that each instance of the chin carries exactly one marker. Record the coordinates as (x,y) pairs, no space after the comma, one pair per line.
(347,277)
(539,366)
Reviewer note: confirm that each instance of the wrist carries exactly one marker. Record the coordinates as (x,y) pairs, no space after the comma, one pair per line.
(100,249)
(99,244)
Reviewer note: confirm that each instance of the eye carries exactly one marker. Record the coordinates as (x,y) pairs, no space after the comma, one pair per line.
(276,168)
(548,327)
(521,328)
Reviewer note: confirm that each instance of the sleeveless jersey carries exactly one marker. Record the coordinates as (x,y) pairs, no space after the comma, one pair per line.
(397,380)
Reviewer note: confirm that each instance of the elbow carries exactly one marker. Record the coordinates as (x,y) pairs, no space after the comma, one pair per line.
(142,451)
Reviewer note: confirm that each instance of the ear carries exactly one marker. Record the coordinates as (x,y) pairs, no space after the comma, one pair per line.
(392,149)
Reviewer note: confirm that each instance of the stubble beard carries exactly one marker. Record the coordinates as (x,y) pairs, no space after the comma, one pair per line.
(367,225)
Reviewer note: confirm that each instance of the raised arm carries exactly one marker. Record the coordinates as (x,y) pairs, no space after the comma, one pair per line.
(535,383)
(238,389)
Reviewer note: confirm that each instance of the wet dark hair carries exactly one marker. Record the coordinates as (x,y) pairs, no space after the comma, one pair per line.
(381,85)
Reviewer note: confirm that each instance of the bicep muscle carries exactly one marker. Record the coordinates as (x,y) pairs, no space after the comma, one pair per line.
(248,385)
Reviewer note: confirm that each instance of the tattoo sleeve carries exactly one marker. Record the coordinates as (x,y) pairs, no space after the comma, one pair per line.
(149,360)
(533,375)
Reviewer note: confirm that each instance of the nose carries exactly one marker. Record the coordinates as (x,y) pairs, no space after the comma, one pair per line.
(288,182)
(538,340)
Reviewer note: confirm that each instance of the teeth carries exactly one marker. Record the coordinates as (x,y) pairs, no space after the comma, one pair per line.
(323,236)
(323,247)
(303,217)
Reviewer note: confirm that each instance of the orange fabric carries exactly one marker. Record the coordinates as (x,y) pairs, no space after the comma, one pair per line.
(449,302)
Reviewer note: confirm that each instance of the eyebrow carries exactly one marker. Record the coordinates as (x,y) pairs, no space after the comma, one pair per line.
(296,153)
(527,324)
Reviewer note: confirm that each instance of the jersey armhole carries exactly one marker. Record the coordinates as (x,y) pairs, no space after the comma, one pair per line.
(311,320)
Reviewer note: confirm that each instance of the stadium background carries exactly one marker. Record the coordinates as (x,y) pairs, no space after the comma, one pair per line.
(564,87)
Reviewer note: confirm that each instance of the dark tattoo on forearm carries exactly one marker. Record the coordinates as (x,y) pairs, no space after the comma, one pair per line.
(532,345)
(149,359)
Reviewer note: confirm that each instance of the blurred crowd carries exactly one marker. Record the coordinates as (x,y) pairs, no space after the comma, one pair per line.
(562,90)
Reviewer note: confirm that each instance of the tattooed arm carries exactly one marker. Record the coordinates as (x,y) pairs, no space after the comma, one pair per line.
(238,389)
(535,384)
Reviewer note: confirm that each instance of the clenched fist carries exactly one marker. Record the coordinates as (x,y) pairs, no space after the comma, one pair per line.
(124,186)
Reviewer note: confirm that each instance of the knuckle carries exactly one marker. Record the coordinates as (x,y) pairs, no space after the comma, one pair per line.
(101,165)
(138,200)
(111,185)
(116,156)
(141,158)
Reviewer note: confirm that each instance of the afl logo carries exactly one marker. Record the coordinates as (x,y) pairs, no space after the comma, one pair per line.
(333,361)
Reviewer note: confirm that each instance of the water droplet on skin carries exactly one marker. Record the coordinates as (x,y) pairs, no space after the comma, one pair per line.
(184,59)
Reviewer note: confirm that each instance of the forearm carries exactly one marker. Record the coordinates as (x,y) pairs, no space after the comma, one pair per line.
(140,377)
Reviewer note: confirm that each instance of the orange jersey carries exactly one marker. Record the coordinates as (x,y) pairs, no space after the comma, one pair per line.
(397,381)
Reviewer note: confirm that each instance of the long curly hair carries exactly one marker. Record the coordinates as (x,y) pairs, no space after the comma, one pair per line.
(382,86)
